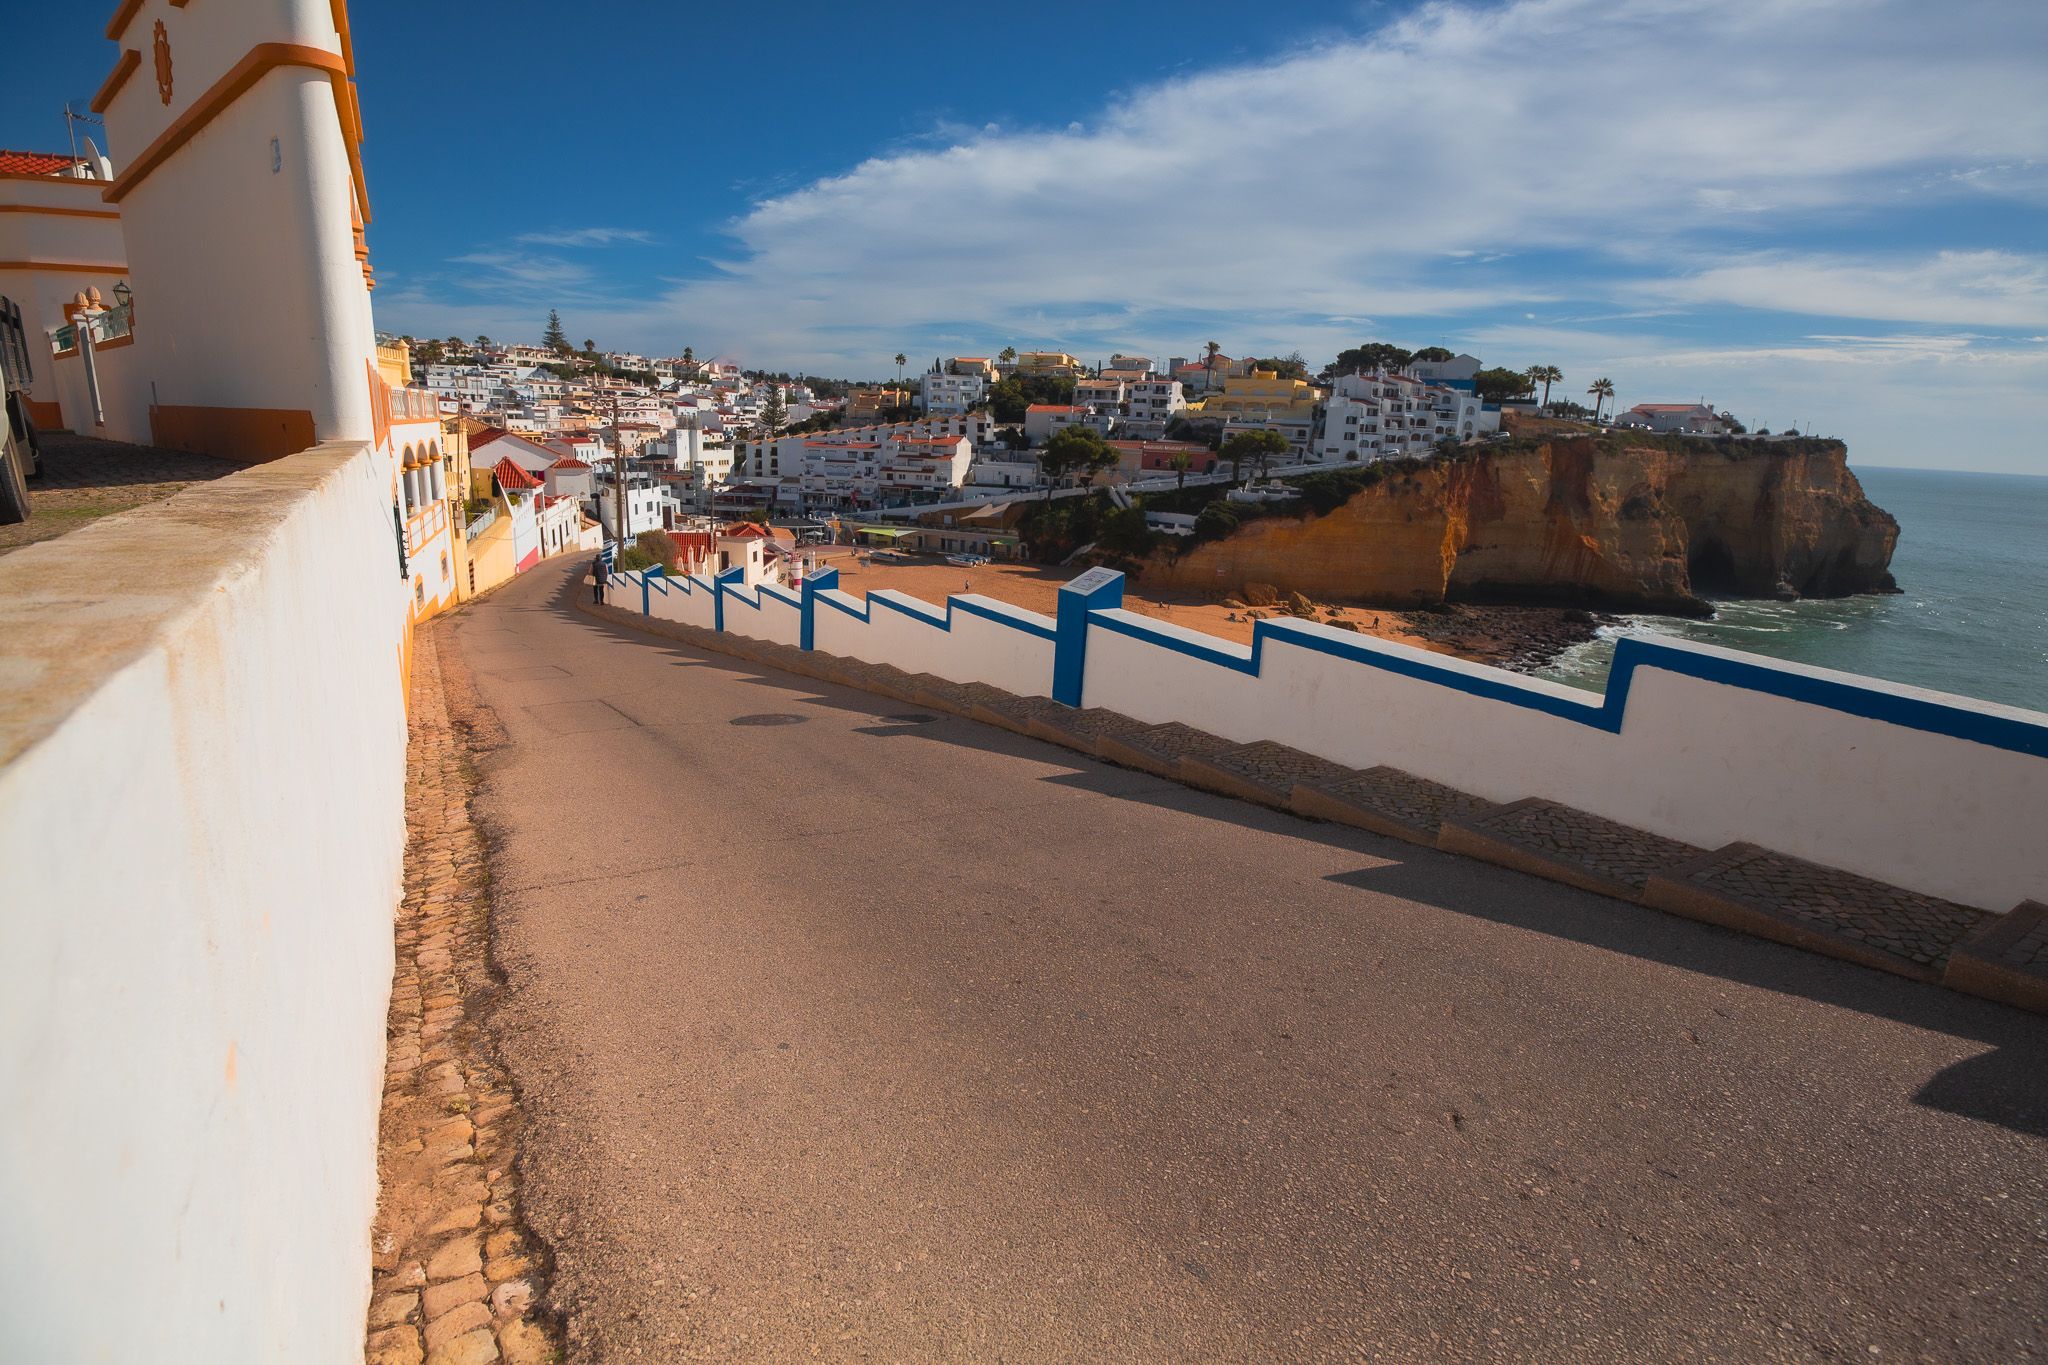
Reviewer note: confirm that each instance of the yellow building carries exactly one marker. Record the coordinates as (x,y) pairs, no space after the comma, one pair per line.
(428,482)
(1049,362)
(870,403)
(1264,395)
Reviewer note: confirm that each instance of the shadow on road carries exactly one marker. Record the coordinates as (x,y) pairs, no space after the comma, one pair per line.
(2006,1086)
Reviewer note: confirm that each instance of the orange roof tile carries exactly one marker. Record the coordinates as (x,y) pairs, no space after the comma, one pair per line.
(34,163)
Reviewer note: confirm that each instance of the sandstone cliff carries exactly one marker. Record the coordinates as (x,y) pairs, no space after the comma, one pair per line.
(1612,520)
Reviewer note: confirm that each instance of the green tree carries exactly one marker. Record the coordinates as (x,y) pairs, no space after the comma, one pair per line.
(1008,399)
(1210,350)
(659,546)
(901,361)
(1373,355)
(1546,375)
(1494,386)
(1008,355)
(1601,390)
(1433,355)
(1074,450)
(773,414)
(1182,462)
(589,346)
(1286,367)
(1013,438)
(1255,447)
(689,356)
(553,337)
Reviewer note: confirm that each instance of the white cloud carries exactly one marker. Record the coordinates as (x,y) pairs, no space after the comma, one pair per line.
(1336,181)
(1973,288)
(590,236)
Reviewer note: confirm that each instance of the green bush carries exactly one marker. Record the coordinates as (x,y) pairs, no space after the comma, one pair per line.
(633,557)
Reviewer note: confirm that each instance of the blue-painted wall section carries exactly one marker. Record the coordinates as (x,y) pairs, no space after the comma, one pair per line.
(1096,590)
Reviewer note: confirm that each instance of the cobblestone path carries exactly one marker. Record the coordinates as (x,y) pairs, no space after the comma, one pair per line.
(458,1280)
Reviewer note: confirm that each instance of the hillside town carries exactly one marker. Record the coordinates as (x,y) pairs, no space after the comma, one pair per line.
(576,448)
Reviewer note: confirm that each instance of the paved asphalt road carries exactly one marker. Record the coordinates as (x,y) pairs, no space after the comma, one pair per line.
(860,1036)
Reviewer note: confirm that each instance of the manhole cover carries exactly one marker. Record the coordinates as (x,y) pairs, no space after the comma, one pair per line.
(769,718)
(911,718)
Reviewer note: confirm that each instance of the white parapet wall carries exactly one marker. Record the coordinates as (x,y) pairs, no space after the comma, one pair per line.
(974,639)
(1935,793)
(202,768)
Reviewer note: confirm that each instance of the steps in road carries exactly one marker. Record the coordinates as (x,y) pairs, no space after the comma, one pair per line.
(1566,845)
(1263,771)
(2005,958)
(1387,801)
(1741,886)
(1160,748)
(1084,730)
(1821,909)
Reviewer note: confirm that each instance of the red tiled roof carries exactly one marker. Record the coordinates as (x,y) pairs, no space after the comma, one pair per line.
(511,477)
(34,163)
(746,530)
(572,464)
(1052,407)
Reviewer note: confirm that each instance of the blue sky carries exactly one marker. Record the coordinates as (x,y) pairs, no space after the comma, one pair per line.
(1826,211)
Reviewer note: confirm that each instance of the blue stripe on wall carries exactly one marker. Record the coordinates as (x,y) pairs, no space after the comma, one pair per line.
(1872,699)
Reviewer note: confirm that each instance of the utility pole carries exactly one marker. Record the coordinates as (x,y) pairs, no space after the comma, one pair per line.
(618,470)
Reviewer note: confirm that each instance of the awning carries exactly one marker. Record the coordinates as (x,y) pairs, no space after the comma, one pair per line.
(889,532)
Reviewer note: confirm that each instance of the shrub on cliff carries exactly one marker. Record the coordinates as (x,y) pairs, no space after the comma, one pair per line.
(659,547)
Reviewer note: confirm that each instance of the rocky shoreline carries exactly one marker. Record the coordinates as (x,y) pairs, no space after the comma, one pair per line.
(1522,638)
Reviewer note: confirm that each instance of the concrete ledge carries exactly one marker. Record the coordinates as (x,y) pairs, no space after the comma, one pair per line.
(1263,771)
(1821,909)
(2005,958)
(1083,730)
(76,610)
(1546,839)
(1388,801)
(1160,748)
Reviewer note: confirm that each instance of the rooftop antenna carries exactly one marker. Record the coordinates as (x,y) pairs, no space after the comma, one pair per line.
(71,121)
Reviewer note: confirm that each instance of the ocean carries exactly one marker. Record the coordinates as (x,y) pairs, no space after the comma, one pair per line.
(1972,618)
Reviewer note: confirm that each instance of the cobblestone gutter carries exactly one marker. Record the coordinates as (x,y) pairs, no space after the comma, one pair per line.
(459,1280)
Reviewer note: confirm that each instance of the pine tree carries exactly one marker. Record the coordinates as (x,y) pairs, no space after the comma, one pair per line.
(554,338)
(773,414)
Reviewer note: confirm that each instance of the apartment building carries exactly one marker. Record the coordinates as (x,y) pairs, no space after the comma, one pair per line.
(952,393)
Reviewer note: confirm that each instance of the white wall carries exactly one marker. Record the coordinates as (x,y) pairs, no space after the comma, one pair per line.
(243,260)
(1697,760)
(764,613)
(202,765)
(917,640)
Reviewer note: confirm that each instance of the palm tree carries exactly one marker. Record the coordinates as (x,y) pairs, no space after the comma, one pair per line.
(901,361)
(689,356)
(1213,348)
(1007,355)
(1181,462)
(1601,390)
(1546,375)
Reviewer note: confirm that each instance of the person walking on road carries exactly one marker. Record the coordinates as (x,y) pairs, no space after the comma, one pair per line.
(597,579)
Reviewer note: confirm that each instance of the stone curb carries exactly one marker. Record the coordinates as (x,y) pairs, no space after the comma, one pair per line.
(1983,963)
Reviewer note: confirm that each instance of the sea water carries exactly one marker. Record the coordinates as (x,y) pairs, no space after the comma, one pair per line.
(1971,617)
